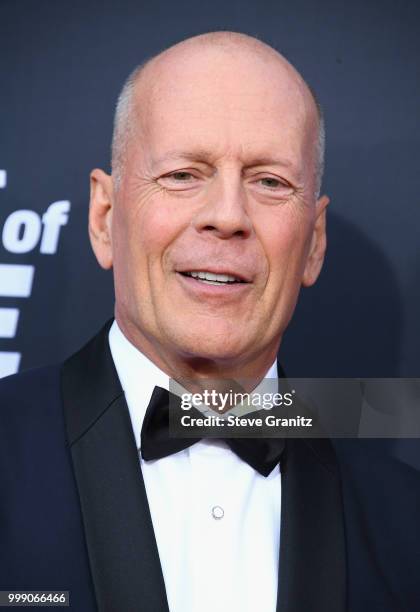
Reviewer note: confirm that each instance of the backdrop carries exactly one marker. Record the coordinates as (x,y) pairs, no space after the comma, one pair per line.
(62,66)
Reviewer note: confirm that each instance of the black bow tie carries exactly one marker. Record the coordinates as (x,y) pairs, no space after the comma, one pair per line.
(262,454)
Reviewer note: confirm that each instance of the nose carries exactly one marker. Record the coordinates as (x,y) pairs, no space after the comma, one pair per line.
(224,212)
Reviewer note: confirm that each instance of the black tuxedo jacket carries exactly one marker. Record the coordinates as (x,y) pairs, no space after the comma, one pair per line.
(74,514)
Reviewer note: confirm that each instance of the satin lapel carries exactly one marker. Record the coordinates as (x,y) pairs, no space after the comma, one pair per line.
(312,568)
(121,544)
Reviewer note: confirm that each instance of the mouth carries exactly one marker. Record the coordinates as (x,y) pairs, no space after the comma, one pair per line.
(212,278)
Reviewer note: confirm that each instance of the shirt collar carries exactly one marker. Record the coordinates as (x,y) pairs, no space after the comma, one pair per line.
(139,376)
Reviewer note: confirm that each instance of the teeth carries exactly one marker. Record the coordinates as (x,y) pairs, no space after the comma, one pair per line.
(214,278)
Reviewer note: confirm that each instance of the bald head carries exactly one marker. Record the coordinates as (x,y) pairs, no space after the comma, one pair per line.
(215,52)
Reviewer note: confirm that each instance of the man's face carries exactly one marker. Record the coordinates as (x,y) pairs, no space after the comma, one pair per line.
(212,228)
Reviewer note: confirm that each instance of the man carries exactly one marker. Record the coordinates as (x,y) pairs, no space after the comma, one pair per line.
(212,220)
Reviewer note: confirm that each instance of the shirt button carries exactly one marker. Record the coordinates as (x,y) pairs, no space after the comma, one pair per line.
(217,513)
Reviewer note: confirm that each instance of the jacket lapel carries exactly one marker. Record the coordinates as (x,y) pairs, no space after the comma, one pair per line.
(121,544)
(312,567)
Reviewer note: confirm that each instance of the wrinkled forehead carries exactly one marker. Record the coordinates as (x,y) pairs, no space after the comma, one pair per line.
(213,99)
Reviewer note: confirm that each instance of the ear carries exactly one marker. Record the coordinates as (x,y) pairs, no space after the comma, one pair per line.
(100,216)
(318,244)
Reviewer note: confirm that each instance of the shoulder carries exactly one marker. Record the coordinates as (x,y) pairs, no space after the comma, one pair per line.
(33,378)
(26,389)
(30,406)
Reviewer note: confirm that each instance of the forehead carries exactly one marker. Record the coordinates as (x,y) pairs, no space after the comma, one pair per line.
(242,105)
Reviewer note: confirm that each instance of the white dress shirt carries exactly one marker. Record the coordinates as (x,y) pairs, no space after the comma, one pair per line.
(216,520)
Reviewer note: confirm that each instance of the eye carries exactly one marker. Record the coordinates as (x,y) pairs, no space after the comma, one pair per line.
(273,183)
(180,176)
(270,182)
(179,180)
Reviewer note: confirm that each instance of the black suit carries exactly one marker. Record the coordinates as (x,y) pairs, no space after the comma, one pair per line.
(74,513)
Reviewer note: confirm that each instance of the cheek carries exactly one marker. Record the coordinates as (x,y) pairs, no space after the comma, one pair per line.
(144,231)
(286,243)
(158,227)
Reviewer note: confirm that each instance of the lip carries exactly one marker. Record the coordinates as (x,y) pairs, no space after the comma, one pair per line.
(227,271)
(199,290)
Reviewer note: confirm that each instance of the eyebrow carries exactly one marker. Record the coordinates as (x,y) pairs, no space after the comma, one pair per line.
(204,156)
(200,155)
(270,161)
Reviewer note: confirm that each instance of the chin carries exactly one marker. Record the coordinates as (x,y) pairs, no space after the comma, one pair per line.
(207,344)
